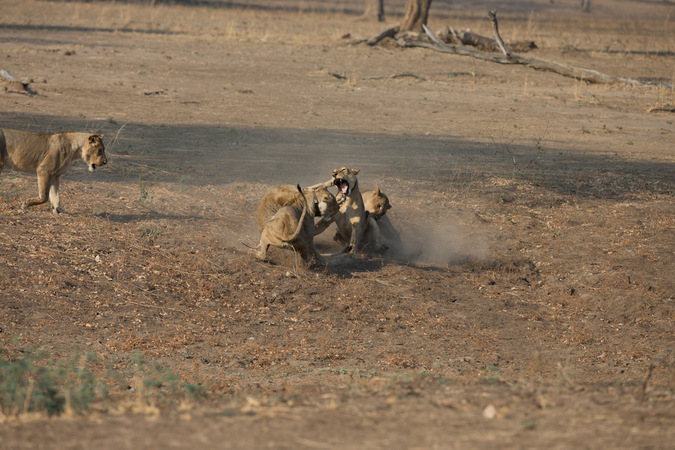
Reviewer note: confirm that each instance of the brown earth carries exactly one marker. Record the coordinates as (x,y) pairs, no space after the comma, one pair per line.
(539,313)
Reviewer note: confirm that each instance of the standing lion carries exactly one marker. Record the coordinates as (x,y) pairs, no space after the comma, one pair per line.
(49,155)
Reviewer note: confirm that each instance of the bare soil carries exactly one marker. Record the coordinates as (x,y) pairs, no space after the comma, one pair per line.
(538,314)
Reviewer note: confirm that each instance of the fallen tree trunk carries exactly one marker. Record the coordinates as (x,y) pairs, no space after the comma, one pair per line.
(506,57)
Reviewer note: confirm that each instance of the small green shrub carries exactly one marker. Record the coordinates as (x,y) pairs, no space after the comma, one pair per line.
(27,387)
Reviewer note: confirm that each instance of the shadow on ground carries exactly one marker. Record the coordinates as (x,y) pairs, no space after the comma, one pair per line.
(214,155)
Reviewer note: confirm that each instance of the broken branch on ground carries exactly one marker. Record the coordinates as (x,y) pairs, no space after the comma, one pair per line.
(462,44)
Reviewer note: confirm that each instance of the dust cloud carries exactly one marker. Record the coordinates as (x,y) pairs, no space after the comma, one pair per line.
(440,245)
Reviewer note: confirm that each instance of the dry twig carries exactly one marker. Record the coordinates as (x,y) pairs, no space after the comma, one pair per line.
(337,75)
(661,109)
(397,75)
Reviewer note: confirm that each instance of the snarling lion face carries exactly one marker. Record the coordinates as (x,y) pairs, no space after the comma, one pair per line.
(345,180)
(326,205)
(93,152)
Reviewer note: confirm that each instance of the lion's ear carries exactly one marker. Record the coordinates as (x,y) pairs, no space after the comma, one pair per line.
(356,171)
(92,138)
(388,205)
(376,192)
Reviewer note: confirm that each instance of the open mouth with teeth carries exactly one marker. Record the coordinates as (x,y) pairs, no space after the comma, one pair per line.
(342,185)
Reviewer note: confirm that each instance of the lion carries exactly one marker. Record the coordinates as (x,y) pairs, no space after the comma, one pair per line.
(49,155)
(291,226)
(377,204)
(324,202)
(355,224)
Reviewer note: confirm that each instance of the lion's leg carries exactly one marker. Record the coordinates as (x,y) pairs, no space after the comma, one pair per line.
(388,231)
(265,243)
(342,233)
(322,225)
(357,234)
(3,152)
(262,253)
(54,195)
(313,252)
(341,236)
(43,191)
(373,235)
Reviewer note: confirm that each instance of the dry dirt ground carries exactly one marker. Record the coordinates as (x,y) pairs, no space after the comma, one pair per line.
(539,313)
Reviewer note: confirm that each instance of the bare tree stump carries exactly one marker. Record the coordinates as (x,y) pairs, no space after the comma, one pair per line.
(416,15)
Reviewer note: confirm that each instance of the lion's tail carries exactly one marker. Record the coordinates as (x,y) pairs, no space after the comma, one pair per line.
(347,249)
(301,221)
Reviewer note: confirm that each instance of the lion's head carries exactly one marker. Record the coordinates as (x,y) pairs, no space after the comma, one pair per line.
(378,203)
(345,180)
(325,204)
(93,152)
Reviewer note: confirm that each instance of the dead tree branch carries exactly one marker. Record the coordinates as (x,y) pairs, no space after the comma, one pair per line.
(397,75)
(588,75)
(339,76)
(468,37)
(388,33)
(662,109)
(498,38)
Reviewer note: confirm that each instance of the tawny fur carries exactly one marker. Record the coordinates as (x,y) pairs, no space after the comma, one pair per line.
(49,155)
(353,220)
(377,204)
(324,202)
(291,226)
